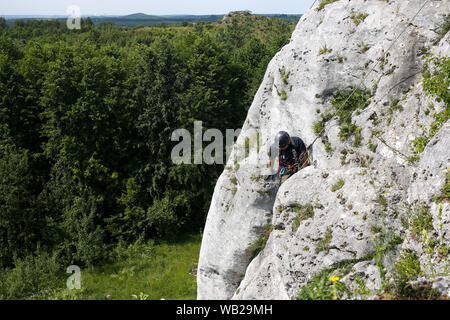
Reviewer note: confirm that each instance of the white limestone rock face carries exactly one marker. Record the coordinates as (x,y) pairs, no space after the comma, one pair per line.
(239,211)
(381,190)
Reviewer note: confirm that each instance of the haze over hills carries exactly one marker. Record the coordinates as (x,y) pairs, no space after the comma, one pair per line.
(143,19)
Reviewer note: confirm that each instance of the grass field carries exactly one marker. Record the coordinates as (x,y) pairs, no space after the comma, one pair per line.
(143,271)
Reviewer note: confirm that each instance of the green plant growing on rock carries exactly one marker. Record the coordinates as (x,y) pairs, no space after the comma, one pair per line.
(259,245)
(285,77)
(345,103)
(323,3)
(364,47)
(319,125)
(323,287)
(236,164)
(421,221)
(362,289)
(324,243)
(303,213)
(431,243)
(418,145)
(381,200)
(444,28)
(338,185)
(347,129)
(327,144)
(376,229)
(343,157)
(406,269)
(444,196)
(372,147)
(324,50)
(358,18)
(443,251)
(385,241)
(256,178)
(358,138)
(394,106)
(435,83)
(320,288)
(246,147)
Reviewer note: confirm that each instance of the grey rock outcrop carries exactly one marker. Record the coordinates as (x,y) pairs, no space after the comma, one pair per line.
(362,196)
(228,18)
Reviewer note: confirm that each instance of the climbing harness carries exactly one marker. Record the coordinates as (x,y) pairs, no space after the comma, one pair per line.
(305,160)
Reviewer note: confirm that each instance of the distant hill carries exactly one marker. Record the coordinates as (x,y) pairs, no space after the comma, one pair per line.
(138,16)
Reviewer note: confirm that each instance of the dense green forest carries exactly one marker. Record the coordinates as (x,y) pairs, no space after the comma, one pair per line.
(86,118)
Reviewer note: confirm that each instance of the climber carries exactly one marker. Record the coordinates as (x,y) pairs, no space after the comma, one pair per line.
(293,155)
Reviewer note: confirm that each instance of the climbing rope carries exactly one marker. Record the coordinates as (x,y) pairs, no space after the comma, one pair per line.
(313,4)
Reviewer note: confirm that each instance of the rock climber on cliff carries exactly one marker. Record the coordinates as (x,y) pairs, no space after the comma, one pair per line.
(293,155)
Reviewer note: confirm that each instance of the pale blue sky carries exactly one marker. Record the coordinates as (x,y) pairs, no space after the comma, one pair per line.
(158,7)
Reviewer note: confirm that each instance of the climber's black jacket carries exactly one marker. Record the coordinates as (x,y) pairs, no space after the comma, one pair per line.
(293,152)
(291,155)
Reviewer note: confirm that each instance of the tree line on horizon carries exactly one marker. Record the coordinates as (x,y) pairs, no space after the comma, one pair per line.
(138,20)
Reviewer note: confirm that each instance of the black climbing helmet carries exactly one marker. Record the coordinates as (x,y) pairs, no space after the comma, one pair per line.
(283,138)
